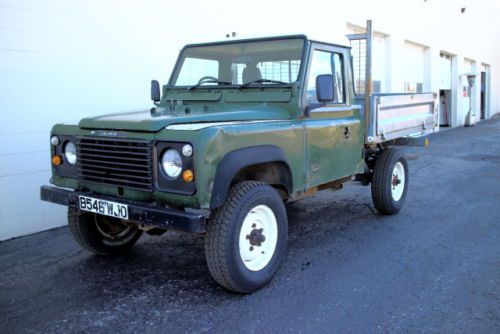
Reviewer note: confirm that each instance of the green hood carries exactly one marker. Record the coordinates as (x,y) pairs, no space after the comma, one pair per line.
(147,121)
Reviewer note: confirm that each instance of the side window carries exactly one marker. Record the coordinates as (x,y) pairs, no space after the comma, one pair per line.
(338,78)
(193,67)
(321,64)
(324,62)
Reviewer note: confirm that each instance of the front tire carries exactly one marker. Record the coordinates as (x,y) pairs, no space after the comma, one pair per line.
(101,235)
(246,237)
(390,181)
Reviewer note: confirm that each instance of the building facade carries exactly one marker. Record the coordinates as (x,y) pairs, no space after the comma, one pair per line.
(63,60)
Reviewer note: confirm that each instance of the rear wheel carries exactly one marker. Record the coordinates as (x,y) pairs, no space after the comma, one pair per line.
(390,181)
(246,237)
(102,235)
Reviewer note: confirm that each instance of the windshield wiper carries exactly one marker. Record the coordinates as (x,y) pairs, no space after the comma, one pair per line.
(209,81)
(248,84)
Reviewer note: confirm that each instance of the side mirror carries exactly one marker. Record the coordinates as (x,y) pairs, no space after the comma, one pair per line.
(155,91)
(324,88)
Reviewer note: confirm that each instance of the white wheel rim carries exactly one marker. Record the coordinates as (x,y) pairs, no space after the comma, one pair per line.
(258,237)
(398,181)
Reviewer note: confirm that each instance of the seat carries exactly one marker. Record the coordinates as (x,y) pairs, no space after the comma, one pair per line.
(251,73)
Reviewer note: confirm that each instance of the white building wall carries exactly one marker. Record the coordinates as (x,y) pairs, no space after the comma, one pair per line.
(62,60)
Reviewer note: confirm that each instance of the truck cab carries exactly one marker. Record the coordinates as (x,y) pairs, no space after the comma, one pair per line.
(241,128)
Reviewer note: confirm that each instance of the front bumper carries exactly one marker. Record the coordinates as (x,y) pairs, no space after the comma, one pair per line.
(139,213)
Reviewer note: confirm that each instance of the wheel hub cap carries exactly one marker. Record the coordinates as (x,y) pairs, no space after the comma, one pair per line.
(398,181)
(256,237)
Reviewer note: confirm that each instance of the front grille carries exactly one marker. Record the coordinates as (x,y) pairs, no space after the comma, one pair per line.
(126,163)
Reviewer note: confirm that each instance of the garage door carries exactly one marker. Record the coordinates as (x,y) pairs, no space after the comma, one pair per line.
(414,68)
(444,71)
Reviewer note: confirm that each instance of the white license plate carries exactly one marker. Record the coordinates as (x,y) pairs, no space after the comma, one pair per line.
(103,207)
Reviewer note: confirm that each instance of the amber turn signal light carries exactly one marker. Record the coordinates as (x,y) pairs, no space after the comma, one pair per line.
(188,175)
(56,160)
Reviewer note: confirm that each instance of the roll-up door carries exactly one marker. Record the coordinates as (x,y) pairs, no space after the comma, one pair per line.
(444,71)
(414,69)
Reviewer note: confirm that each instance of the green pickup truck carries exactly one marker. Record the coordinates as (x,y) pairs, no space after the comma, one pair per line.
(241,128)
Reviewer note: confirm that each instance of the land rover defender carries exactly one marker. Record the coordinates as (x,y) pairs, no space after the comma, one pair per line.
(241,128)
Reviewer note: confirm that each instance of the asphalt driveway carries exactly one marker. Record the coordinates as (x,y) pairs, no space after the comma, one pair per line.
(434,267)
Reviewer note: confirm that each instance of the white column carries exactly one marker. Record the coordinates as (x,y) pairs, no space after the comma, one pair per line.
(476,91)
(431,70)
(457,100)
(431,76)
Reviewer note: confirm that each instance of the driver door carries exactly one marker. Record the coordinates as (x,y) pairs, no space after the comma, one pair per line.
(334,129)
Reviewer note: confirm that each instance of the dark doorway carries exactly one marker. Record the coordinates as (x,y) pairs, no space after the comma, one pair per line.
(483,95)
(444,107)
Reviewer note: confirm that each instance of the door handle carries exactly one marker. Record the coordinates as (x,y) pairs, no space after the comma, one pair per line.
(347,132)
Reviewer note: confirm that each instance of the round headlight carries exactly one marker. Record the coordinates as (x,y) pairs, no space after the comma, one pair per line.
(171,163)
(70,152)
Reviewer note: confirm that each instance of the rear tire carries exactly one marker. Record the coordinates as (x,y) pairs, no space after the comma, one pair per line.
(390,181)
(101,235)
(246,237)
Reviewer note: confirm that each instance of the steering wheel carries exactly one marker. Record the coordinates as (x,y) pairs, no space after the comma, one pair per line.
(206,78)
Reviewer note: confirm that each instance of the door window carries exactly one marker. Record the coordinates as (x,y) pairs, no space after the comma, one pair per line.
(338,78)
(324,62)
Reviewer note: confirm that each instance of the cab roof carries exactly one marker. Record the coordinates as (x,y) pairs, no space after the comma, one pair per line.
(262,39)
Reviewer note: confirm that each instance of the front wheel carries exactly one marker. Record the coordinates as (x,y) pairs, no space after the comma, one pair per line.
(390,182)
(246,237)
(102,235)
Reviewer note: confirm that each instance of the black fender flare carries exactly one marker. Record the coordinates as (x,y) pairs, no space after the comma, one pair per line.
(236,160)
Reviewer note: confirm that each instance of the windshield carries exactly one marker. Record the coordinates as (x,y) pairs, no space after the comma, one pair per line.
(240,63)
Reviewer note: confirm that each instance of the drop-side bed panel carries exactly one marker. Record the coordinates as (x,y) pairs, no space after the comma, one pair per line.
(400,115)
